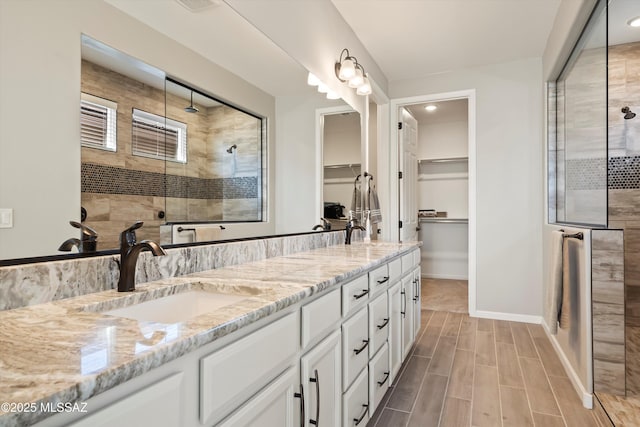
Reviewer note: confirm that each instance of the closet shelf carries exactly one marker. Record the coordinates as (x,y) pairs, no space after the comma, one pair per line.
(445,220)
(342,166)
(445,160)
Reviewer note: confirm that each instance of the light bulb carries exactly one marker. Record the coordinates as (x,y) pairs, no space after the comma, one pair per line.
(634,22)
(332,95)
(357,79)
(323,88)
(365,87)
(347,69)
(431,108)
(312,80)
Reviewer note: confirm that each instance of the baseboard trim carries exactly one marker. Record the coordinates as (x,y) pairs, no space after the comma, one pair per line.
(445,276)
(513,317)
(583,394)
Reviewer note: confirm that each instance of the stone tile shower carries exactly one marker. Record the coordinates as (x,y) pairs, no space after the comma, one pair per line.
(594,181)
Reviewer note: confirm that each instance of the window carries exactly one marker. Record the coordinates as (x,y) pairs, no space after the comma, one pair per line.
(97,122)
(158,137)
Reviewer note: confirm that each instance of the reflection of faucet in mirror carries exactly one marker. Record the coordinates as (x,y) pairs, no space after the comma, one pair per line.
(129,251)
(86,244)
(349,230)
(326,225)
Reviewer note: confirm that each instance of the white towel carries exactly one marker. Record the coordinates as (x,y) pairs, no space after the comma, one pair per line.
(374,206)
(356,203)
(553,300)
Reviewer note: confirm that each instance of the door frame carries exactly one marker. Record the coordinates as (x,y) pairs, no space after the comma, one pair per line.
(391,226)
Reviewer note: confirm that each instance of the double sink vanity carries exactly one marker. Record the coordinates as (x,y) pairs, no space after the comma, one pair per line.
(311,338)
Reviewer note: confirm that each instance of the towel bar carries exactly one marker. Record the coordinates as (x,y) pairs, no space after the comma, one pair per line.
(180,229)
(578,235)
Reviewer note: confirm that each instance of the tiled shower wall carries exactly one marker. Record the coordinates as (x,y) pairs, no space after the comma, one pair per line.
(119,188)
(624,189)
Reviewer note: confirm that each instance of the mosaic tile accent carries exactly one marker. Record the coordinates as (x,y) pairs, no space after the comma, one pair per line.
(589,174)
(112,180)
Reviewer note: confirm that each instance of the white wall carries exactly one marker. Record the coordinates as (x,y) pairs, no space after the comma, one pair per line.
(40,62)
(509,124)
(442,140)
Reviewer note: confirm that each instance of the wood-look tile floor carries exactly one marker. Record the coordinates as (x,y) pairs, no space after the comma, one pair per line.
(445,295)
(465,371)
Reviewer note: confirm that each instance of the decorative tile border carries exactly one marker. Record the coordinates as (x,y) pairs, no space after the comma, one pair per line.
(113,180)
(589,174)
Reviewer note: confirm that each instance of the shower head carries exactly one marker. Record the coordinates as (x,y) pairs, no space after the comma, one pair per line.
(233,147)
(191,108)
(628,114)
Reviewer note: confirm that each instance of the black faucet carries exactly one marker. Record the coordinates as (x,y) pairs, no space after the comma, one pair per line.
(326,225)
(129,251)
(88,242)
(349,229)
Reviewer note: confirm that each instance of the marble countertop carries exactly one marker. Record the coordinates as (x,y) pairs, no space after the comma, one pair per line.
(68,351)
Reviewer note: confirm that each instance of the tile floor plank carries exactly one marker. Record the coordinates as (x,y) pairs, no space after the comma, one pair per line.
(544,420)
(536,331)
(515,407)
(443,356)
(485,349)
(549,358)
(461,378)
(427,344)
(456,413)
(485,325)
(538,389)
(452,325)
(574,414)
(408,386)
(485,410)
(508,365)
(467,335)
(522,338)
(429,402)
(391,418)
(503,332)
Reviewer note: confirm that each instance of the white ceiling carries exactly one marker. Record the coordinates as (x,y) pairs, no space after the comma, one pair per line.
(415,38)
(447,111)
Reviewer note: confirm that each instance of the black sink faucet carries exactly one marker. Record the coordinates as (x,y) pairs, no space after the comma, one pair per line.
(349,229)
(86,244)
(129,252)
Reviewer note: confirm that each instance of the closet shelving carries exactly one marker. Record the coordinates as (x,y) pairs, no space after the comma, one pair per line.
(341,173)
(443,168)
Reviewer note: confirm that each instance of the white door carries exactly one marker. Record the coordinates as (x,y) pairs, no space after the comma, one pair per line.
(321,381)
(408,156)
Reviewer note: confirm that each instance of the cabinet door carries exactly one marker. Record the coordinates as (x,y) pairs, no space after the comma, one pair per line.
(159,404)
(279,404)
(408,336)
(395,328)
(321,381)
(417,301)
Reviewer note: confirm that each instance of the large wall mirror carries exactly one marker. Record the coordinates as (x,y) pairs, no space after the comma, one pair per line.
(227,172)
(157,150)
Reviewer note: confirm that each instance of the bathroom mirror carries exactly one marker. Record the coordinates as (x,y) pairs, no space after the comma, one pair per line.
(39,177)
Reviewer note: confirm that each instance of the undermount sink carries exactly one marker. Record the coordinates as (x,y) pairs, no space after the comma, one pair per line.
(177,307)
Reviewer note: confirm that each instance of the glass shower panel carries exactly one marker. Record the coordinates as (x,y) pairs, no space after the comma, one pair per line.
(578,150)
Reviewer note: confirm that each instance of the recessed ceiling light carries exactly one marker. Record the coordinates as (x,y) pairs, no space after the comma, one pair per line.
(634,22)
(431,108)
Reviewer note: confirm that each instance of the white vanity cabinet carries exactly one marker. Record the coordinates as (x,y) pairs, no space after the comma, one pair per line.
(321,382)
(356,402)
(417,300)
(395,328)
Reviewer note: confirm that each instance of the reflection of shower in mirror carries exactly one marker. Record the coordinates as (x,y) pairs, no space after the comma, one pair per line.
(628,114)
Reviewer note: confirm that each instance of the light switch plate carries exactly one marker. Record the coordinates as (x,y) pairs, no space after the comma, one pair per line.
(6,218)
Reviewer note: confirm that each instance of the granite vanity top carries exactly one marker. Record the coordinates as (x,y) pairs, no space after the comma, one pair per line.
(68,351)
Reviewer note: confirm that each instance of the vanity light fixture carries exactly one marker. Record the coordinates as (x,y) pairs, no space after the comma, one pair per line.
(431,108)
(349,70)
(634,22)
(191,108)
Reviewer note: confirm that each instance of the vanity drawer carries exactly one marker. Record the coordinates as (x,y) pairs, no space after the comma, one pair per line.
(231,375)
(320,317)
(355,343)
(408,262)
(417,257)
(395,270)
(379,279)
(355,403)
(378,323)
(378,377)
(354,294)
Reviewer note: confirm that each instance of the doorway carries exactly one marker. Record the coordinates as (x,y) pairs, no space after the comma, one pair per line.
(436,192)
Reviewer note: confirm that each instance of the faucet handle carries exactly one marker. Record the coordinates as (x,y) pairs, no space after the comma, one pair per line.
(87,232)
(128,236)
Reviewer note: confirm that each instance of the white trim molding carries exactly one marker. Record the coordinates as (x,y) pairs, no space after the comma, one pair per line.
(512,317)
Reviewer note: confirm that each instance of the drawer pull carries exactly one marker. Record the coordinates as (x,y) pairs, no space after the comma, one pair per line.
(317,381)
(404,297)
(361,349)
(364,414)
(364,292)
(386,377)
(385,323)
(301,397)
(384,279)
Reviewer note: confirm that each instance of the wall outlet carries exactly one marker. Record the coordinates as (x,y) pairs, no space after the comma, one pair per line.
(6,218)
